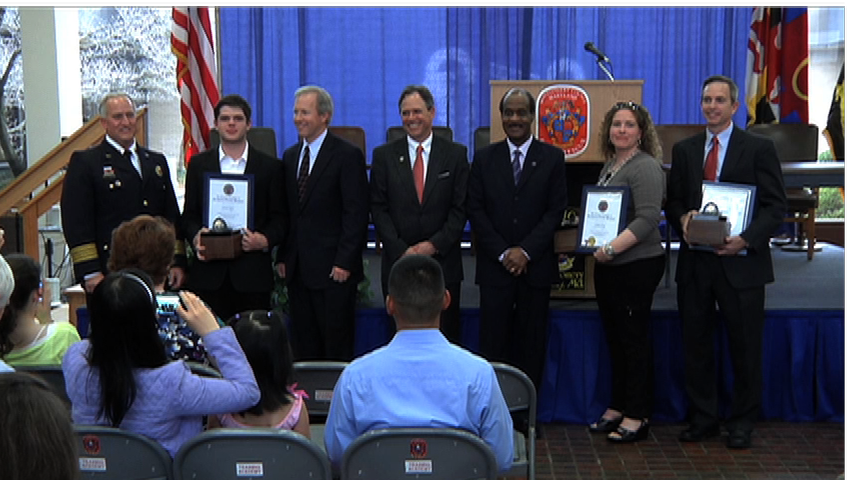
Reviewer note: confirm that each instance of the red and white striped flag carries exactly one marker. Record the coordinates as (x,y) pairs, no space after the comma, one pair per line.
(192,43)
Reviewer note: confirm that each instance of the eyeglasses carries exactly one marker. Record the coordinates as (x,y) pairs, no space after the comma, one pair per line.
(626,106)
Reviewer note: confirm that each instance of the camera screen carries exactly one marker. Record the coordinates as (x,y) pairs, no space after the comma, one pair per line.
(167,304)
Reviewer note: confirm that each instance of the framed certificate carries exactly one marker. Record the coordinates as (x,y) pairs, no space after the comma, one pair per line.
(734,200)
(603,215)
(229,197)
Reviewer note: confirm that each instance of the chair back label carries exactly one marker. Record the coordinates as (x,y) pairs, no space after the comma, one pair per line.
(93,464)
(250,469)
(419,466)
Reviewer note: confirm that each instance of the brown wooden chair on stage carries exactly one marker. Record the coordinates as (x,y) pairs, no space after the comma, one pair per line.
(796,142)
(354,135)
(669,135)
(261,138)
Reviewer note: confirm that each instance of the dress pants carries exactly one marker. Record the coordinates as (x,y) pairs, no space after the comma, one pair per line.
(323,321)
(514,326)
(624,294)
(226,302)
(743,312)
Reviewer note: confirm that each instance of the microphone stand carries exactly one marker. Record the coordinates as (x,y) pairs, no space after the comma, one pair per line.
(601,64)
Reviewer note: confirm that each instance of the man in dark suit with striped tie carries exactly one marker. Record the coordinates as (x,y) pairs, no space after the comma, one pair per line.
(327,187)
(516,200)
(734,275)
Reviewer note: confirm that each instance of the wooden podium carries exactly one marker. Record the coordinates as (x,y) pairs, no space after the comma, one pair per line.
(576,270)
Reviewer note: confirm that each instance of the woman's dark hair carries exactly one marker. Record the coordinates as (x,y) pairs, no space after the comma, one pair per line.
(27,275)
(123,337)
(146,243)
(36,436)
(264,339)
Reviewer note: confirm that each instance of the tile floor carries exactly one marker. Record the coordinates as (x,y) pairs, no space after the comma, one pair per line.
(780,451)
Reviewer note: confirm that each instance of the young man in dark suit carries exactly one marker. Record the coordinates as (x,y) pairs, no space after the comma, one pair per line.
(326,185)
(231,286)
(516,200)
(418,193)
(110,183)
(734,275)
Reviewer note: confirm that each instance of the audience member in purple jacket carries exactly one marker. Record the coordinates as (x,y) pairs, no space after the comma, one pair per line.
(121,377)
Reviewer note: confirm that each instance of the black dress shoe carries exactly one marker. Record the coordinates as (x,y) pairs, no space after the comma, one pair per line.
(624,435)
(697,434)
(605,425)
(738,439)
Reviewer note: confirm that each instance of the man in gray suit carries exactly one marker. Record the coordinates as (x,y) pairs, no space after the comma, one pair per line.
(418,193)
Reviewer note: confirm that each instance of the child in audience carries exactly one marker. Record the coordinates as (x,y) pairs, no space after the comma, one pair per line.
(264,339)
(36,437)
(121,376)
(28,336)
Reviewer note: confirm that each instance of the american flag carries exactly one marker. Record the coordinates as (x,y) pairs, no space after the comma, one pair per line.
(192,43)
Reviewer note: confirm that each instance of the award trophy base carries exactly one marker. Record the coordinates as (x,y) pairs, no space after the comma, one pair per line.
(222,245)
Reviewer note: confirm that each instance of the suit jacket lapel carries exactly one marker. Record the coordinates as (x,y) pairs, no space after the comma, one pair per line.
(733,152)
(503,167)
(435,165)
(320,164)
(402,168)
(530,163)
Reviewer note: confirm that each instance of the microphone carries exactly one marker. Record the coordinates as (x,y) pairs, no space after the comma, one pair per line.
(595,51)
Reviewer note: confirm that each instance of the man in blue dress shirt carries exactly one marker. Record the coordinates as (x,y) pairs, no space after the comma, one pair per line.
(419,379)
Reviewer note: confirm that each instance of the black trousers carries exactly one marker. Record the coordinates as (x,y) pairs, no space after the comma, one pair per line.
(743,311)
(323,321)
(514,326)
(226,301)
(624,295)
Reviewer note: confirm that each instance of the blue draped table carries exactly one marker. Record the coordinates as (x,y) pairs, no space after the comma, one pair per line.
(803,364)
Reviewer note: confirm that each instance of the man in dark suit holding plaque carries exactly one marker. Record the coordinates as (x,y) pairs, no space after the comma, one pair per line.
(110,183)
(326,184)
(418,193)
(516,200)
(244,281)
(732,275)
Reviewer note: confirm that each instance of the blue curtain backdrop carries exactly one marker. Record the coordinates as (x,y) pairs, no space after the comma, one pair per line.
(365,56)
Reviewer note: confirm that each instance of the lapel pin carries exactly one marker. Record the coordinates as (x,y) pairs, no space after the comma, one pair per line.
(158,171)
(533,164)
(400,159)
(118,183)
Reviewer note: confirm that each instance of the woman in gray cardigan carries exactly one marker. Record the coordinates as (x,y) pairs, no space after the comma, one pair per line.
(629,268)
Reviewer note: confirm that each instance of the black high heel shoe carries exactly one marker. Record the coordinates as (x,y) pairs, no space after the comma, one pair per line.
(604,425)
(624,435)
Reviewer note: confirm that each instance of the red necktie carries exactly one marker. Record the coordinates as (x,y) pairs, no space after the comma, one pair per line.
(418,174)
(710,171)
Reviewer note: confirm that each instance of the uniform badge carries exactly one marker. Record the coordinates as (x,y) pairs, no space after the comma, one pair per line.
(158,171)
(108,171)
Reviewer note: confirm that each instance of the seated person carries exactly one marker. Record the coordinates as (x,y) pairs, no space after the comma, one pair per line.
(7,284)
(419,379)
(36,437)
(264,340)
(148,243)
(28,336)
(120,376)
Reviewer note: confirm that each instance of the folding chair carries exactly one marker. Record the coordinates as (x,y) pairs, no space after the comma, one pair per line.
(520,395)
(52,374)
(405,453)
(237,453)
(318,379)
(114,454)
(354,135)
